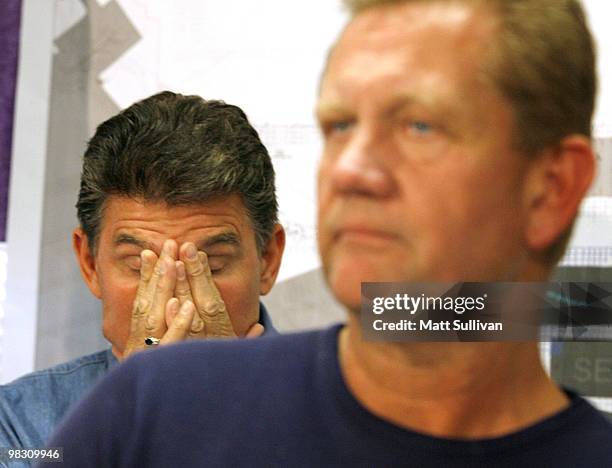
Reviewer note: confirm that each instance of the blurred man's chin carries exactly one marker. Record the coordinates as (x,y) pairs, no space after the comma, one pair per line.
(347,297)
(345,276)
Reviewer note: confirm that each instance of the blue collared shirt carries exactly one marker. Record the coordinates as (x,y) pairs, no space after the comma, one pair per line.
(32,406)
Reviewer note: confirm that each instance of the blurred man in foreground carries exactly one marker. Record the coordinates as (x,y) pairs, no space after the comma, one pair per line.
(457,148)
(178,238)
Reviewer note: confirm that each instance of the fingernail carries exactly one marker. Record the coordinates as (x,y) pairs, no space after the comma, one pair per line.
(166,247)
(202,257)
(162,267)
(191,252)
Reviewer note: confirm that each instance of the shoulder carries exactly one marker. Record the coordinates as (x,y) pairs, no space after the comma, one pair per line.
(217,358)
(580,435)
(247,369)
(586,414)
(176,393)
(591,422)
(31,405)
(77,372)
(591,435)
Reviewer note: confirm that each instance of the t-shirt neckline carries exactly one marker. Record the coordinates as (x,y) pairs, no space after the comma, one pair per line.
(391,434)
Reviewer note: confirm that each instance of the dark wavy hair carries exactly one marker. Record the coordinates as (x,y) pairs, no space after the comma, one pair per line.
(179,150)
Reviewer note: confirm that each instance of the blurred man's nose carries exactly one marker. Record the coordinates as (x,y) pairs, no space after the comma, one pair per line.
(360,168)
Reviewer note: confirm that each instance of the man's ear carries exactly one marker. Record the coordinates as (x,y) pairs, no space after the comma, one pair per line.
(86,259)
(271,259)
(557,182)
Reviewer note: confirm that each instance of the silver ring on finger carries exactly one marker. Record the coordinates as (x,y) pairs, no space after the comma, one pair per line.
(151,341)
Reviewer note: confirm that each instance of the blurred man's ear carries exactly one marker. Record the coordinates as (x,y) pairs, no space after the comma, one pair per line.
(87,263)
(271,259)
(557,182)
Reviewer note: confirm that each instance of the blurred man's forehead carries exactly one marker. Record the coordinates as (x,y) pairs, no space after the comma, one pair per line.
(428,52)
(445,21)
(414,15)
(421,30)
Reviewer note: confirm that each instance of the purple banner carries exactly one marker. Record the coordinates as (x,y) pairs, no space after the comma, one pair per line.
(10,17)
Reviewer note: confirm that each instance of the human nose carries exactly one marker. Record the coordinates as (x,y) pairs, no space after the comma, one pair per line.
(360,168)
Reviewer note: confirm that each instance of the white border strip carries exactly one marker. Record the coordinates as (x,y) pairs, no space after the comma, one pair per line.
(25,211)
(2,296)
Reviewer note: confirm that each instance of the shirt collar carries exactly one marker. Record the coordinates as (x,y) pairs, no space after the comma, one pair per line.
(266,321)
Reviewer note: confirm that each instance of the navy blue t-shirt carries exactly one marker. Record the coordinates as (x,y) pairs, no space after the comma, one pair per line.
(282,401)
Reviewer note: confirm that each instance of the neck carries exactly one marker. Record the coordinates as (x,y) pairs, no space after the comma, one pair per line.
(452,390)
(117,353)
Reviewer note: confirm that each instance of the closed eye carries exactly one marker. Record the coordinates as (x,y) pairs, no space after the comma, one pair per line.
(133,262)
(217,264)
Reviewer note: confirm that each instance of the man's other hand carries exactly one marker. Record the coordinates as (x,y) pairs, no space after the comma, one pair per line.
(194,283)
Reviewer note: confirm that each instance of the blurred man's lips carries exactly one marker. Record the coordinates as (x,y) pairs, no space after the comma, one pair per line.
(363,235)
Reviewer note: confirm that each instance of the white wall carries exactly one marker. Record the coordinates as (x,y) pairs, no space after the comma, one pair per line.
(26,188)
(264,56)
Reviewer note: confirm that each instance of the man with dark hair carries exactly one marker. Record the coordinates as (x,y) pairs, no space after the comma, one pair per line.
(178,238)
(456,149)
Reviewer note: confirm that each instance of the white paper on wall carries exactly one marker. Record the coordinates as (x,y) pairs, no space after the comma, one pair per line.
(265,57)
(591,242)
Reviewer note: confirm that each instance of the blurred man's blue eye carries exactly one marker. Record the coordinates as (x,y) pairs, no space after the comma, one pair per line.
(341,126)
(420,127)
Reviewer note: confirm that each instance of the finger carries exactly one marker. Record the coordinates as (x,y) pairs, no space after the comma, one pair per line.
(147,265)
(208,302)
(155,323)
(255,331)
(182,291)
(169,249)
(168,252)
(148,259)
(179,328)
(159,290)
(171,311)
(140,306)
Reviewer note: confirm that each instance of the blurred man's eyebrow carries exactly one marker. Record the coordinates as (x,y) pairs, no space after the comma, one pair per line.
(230,238)
(397,104)
(406,100)
(122,239)
(328,108)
